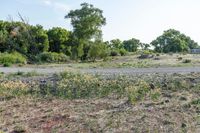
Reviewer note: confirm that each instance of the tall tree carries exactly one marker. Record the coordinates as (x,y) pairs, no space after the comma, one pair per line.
(86,23)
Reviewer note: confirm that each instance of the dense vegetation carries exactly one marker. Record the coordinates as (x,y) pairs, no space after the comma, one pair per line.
(84,42)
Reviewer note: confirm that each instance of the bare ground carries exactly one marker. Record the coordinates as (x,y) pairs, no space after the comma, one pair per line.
(97,115)
(104,71)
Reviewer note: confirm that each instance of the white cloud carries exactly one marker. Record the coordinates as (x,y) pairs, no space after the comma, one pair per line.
(56,5)
(47,2)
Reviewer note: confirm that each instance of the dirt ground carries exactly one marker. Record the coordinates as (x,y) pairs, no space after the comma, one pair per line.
(172,113)
(96,115)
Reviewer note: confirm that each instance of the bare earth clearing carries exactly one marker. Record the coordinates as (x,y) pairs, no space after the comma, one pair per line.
(102,71)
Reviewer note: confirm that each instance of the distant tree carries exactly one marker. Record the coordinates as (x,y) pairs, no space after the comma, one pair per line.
(58,40)
(173,41)
(144,46)
(116,44)
(131,45)
(86,23)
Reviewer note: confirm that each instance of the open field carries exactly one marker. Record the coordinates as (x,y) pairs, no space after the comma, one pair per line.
(159,95)
(72,102)
(126,65)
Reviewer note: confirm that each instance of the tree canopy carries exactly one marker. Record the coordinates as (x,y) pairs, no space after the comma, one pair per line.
(173,41)
(131,45)
(87,23)
(58,40)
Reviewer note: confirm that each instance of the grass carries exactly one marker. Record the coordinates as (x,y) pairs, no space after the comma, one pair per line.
(132,61)
(69,85)
(94,103)
(100,104)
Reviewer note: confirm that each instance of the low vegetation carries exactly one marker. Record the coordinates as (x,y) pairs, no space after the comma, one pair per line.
(94,102)
(52,57)
(8,59)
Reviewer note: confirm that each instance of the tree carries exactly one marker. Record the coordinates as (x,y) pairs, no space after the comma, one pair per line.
(173,41)
(116,44)
(24,38)
(58,40)
(3,36)
(98,50)
(41,42)
(144,46)
(131,45)
(86,23)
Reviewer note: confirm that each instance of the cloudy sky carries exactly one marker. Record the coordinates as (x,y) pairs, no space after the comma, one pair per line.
(142,19)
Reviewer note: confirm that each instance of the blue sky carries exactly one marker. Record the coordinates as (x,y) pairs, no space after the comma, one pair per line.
(142,19)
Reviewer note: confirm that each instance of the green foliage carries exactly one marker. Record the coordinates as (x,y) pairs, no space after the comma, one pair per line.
(52,57)
(122,52)
(131,45)
(144,46)
(196,102)
(137,92)
(12,58)
(115,44)
(40,40)
(7,64)
(114,53)
(86,23)
(58,40)
(173,41)
(98,50)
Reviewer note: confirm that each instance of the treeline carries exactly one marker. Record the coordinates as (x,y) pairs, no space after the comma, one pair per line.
(32,41)
(84,42)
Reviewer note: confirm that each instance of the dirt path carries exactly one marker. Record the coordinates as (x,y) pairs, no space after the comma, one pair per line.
(103,71)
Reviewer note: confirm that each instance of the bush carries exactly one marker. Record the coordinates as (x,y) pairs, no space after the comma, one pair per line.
(98,50)
(122,52)
(146,54)
(8,59)
(114,53)
(187,61)
(180,58)
(52,57)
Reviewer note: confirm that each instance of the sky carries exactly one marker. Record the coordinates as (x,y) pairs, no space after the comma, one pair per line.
(126,19)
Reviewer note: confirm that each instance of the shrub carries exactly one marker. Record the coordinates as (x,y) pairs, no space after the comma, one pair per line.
(145,54)
(98,50)
(122,52)
(187,61)
(180,58)
(6,64)
(114,53)
(157,54)
(138,91)
(8,59)
(52,57)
